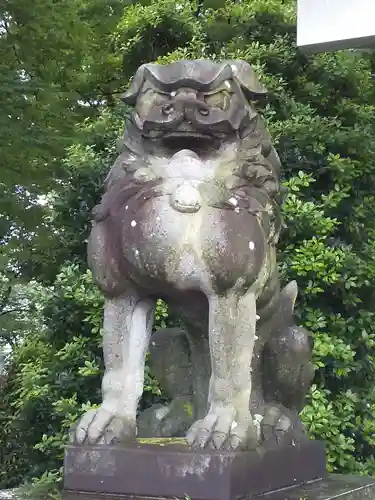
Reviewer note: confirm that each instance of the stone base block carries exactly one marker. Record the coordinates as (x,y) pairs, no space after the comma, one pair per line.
(334,487)
(170,469)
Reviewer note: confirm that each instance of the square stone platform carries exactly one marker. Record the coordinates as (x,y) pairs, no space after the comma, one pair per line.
(170,469)
(333,487)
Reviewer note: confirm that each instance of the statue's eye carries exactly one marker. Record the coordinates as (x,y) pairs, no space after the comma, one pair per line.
(218,99)
(154,97)
(159,98)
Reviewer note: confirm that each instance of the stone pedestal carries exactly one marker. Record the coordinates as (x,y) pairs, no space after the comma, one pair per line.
(169,469)
(333,487)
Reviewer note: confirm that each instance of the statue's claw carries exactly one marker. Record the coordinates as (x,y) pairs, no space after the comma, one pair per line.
(221,430)
(102,426)
(281,427)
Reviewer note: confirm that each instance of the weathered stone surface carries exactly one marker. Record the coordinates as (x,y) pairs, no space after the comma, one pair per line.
(191,214)
(171,469)
(335,486)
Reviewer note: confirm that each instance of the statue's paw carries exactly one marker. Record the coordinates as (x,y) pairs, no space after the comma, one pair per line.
(281,426)
(221,430)
(166,421)
(177,420)
(102,426)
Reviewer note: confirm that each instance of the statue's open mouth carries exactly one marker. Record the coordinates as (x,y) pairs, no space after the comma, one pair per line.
(193,140)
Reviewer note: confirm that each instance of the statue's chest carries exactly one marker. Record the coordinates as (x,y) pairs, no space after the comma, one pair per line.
(194,248)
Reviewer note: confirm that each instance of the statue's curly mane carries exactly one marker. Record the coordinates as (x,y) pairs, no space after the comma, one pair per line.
(259,177)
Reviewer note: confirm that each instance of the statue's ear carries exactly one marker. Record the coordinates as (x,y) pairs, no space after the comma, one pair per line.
(130,97)
(250,85)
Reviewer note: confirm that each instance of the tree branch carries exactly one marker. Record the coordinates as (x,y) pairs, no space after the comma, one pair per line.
(3,313)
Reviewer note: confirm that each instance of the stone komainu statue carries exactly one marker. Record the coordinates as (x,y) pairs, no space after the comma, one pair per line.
(191,214)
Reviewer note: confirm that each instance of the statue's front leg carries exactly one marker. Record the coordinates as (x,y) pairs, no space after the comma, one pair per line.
(127,328)
(229,424)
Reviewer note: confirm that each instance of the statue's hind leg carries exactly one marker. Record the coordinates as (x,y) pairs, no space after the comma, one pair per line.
(127,328)
(290,367)
(288,374)
(170,362)
(180,361)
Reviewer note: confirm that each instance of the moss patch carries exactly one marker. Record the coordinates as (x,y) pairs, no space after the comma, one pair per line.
(163,441)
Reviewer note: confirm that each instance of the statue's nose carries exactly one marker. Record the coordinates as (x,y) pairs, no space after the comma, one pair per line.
(186,102)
